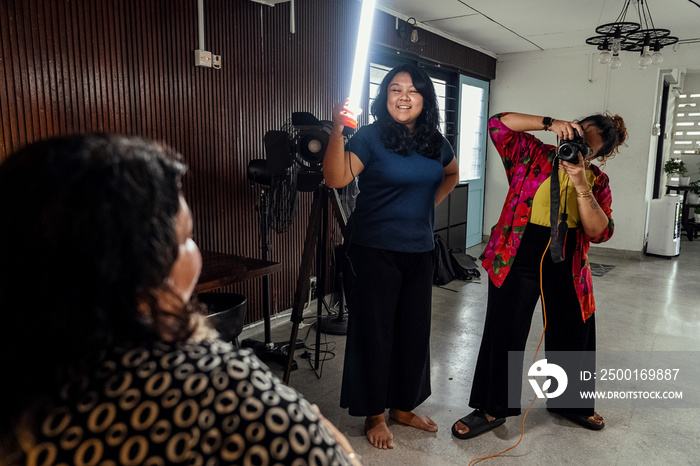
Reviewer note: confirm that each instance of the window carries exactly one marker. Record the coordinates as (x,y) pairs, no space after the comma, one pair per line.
(686,134)
(472,131)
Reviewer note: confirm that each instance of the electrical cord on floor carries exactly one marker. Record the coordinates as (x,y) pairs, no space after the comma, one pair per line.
(326,348)
(329,309)
(544,314)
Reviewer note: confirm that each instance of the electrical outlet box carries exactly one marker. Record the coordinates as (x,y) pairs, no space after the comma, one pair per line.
(216,62)
(202,58)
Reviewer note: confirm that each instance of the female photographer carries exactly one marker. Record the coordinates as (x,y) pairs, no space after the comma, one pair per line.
(404,167)
(519,256)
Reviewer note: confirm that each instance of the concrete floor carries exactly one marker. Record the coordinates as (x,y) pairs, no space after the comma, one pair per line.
(644,304)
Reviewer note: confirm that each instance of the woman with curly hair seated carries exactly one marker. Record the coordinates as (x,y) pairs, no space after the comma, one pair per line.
(106,356)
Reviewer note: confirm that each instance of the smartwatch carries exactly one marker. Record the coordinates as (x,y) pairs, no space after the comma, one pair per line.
(547,122)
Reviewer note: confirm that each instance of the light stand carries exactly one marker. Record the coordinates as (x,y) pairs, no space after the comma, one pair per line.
(267,350)
(315,241)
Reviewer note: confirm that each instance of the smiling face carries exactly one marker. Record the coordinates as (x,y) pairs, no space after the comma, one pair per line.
(403,101)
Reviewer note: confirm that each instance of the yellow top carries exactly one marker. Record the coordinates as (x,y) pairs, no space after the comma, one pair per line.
(541,202)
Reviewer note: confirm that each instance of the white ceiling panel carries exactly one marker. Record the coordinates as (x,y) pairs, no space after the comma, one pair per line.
(507,26)
(429,10)
(479,30)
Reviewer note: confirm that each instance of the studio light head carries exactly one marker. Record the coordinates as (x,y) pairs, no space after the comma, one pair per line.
(300,145)
(258,172)
(310,140)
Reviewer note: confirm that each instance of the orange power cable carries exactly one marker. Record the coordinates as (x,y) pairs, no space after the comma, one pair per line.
(544,313)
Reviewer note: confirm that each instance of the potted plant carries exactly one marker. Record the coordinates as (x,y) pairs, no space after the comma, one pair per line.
(694,193)
(697,214)
(675,169)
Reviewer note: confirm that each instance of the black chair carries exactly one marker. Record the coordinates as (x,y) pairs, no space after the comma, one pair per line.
(226,313)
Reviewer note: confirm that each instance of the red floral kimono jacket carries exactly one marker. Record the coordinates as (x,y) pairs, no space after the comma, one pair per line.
(528,163)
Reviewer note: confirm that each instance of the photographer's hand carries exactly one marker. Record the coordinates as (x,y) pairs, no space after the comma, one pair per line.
(565,129)
(576,172)
(593,218)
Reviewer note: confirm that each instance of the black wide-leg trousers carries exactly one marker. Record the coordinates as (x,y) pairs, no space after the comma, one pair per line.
(509,315)
(387,354)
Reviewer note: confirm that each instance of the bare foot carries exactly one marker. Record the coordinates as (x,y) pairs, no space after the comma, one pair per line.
(462,428)
(378,433)
(413,420)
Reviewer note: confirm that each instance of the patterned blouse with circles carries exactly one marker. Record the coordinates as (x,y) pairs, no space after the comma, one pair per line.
(197,403)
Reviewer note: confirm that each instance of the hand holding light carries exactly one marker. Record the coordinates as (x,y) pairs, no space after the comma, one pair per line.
(344,116)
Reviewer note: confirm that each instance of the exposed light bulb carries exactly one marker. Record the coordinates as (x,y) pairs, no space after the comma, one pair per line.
(657,58)
(604,57)
(616,46)
(615,62)
(414,35)
(645,57)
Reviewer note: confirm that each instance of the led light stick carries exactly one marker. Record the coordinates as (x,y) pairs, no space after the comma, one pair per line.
(358,68)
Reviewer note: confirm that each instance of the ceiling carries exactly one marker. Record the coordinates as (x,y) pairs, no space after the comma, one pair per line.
(507,26)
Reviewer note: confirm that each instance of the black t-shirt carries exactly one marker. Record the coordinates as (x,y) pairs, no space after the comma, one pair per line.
(395,209)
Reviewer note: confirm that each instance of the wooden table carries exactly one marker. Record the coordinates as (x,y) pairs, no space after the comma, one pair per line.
(219,269)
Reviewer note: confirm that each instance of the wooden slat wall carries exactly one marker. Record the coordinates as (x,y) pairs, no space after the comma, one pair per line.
(127,66)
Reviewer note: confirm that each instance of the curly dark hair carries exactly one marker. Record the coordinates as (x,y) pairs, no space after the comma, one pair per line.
(613,132)
(88,234)
(425,138)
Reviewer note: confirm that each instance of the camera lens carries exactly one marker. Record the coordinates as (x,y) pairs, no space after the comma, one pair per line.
(568,152)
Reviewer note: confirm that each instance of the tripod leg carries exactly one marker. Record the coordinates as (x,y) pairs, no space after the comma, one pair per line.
(302,288)
(321,271)
(336,325)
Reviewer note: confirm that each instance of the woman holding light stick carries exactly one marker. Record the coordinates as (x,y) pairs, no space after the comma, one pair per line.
(405,167)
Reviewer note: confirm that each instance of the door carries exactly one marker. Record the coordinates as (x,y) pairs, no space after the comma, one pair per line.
(471,150)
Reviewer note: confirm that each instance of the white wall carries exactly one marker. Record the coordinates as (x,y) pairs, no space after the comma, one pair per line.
(570,84)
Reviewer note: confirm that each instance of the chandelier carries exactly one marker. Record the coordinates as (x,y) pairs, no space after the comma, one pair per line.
(631,36)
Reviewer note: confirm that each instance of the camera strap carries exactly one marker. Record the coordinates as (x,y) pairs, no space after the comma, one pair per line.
(558,228)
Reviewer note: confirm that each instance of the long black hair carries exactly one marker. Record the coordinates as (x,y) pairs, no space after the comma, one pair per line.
(425,138)
(88,234)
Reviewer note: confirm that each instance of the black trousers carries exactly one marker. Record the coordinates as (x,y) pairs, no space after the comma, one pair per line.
(509,315)
(387,355)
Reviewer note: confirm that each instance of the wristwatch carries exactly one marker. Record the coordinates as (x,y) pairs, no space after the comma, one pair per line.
(547,122)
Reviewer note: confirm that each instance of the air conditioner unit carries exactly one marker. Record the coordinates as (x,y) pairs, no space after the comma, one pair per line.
(664,237)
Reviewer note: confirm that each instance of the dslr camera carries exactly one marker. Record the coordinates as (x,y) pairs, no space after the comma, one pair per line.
(568,150)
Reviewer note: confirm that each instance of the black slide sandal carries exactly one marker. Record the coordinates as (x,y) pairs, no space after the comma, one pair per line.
(477,423)
(579,419)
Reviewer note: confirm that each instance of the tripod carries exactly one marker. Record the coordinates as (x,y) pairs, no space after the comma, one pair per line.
(267,350)
(316,237)
(338,324)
